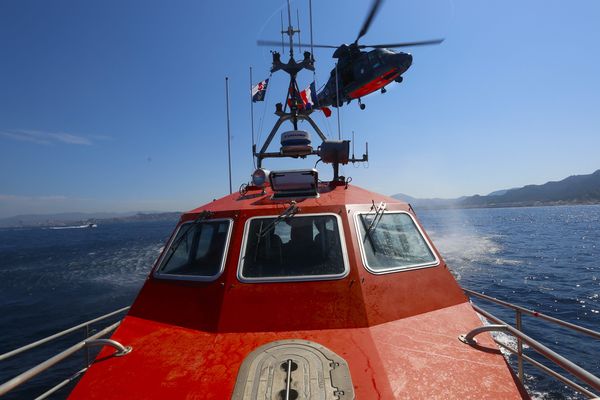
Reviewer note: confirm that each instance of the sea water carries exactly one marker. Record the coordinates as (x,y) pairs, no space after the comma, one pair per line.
(544,258)
(51,280)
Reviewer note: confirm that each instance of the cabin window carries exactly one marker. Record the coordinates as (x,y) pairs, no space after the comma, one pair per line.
(392,242)
(362,67)
(374,59)
(197,252)
(302,247)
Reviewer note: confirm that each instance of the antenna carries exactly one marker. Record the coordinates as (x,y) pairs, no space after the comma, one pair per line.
(337,100)
(299,38)
(290,30)
(311,29)
(252,118)
(282,32)
(228,132)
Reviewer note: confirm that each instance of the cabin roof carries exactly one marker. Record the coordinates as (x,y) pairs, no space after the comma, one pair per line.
(329,196)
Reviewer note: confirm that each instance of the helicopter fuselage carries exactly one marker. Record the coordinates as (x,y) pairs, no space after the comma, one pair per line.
(359,73)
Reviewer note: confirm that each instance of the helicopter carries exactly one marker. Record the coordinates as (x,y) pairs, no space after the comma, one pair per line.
(359,73)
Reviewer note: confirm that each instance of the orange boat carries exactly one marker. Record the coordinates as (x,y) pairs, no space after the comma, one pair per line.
(354,317)
(300,289)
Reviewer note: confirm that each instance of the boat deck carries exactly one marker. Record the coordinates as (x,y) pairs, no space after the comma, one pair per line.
(419,357)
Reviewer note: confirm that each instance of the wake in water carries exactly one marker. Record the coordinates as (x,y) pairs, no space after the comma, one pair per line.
(470,247)
(464,242)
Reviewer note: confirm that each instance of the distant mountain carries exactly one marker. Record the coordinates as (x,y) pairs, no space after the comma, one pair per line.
(428,203)
(577,189)
(140,217)
(498,192)
(63,219)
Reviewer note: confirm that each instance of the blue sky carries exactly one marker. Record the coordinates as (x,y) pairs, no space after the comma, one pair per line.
(120,105)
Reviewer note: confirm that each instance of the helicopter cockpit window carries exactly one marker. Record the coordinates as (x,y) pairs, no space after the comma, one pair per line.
(392,241)
(197,251)
(374,59)
(362,67)
(302,247)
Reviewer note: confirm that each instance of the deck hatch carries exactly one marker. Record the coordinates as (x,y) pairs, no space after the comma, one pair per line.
(293,369)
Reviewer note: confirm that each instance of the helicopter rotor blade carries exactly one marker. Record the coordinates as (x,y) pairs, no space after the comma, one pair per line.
(278,43)
(403,44)
(374,8)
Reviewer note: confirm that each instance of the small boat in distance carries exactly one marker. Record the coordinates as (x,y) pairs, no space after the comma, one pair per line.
(84,226)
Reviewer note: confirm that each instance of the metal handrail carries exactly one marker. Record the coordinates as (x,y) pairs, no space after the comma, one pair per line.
(536,314)
(60,334)
(551,355)
(549,371)
(61,384)
(121,350)
(556,358)
(94,340)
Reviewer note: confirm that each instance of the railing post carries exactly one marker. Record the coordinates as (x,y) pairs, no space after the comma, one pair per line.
(87,349)
(519,345)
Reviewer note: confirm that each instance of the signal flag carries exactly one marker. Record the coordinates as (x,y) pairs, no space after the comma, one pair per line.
(259,91)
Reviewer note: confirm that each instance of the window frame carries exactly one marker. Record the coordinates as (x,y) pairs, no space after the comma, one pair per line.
(296,278)
(389,270)
(177,277)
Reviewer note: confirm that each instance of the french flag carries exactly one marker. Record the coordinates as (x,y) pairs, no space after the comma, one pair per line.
(309,98)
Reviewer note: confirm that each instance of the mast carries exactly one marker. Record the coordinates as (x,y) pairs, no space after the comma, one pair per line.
(292,67)
(336,152)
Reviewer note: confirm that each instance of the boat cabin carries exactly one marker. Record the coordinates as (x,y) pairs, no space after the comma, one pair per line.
(337,294)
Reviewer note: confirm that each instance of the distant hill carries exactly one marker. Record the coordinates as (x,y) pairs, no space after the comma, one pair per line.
(140,217)
(577,189)
(64,219)
(428,203)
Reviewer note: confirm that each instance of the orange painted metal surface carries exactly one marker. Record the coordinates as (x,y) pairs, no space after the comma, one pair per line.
(398,331)
(375,84)
(416,358)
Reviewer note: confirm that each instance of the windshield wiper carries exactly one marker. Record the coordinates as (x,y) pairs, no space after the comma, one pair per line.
(287,213)
(379,210)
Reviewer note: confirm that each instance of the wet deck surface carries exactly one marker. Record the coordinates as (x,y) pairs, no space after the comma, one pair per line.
(419,357)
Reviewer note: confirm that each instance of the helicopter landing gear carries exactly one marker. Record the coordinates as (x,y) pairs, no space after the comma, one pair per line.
(361,105)
(399,79)
(383,90)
